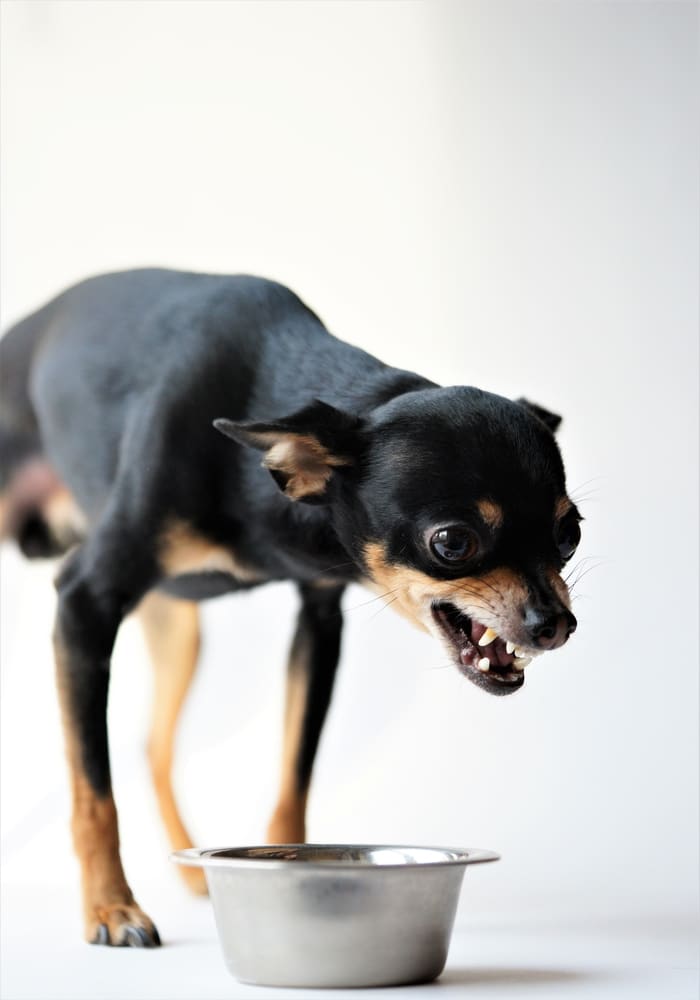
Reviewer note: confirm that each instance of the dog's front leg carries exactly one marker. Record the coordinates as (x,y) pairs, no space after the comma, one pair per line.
(88,616)
(310,674)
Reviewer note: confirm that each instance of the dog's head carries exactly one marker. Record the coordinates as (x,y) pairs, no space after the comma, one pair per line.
(453,504)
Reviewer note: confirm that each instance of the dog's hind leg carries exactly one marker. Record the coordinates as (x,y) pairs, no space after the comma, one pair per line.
(171,628)
(99,584)
(311,672)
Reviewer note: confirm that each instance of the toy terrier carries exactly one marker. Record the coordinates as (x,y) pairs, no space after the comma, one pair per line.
(179,436)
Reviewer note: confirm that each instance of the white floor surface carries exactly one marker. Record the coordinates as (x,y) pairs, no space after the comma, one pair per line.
(43,958)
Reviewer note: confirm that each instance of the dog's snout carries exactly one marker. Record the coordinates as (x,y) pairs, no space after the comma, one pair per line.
(550,630)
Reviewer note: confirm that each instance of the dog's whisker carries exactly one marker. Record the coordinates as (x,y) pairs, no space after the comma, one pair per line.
(586,482)
(577,566)
(489,605)
(586,498)
(373,600)
(438,666)
(491,586)
(342,565)
(383,608)
(585,572)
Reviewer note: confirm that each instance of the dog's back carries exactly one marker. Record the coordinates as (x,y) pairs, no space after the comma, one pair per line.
(77,371)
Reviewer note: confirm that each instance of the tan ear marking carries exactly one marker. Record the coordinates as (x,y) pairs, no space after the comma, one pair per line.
(305,461)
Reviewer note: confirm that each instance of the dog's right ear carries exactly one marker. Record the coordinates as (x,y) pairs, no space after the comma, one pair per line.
(303,450)
(552,420)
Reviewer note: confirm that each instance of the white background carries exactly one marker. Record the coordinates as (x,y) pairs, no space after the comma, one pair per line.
(488,193)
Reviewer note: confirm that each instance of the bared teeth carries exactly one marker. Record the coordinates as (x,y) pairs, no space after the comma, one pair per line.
(510,646)
(488,636)
(484,664)
(520,662)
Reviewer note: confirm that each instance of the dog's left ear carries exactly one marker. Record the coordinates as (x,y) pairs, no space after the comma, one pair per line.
(552,420)
(303,450)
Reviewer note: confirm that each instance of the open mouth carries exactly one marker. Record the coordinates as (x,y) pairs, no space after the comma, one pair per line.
(489,661)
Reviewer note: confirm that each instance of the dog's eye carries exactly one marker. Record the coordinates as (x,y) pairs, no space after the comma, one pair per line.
(455,544)
(568,537)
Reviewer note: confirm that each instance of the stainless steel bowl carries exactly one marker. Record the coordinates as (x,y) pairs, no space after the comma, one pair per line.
(336,915)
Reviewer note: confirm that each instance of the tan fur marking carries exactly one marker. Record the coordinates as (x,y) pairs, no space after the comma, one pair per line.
(496,598)
(171,630)
(287,825)
(66,520)
(560,588)
(183,550)
(562,507)
(34,486)
(491,512)
(412,592)
(305,460)
(107,898)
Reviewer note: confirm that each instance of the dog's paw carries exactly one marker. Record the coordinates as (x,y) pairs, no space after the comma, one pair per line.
(122,925)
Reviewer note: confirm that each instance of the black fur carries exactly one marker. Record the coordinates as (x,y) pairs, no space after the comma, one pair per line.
(122,384)
(317,642)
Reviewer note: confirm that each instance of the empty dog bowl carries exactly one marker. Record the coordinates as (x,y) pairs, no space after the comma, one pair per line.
(316,915)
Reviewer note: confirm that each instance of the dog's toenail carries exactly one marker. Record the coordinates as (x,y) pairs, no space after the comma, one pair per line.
(102,935)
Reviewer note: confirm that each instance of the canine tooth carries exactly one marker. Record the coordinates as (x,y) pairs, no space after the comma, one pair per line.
(520,662)
(518,651)
(484,664)
(510,646)
(488,636)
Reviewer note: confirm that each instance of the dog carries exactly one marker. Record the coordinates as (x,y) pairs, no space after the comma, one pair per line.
(178,436)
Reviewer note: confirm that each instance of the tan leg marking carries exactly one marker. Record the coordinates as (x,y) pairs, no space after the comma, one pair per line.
(288,823)
(107,898)
(171,628)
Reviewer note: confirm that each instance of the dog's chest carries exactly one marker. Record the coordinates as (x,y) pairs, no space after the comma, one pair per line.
(200,586)
(195,567)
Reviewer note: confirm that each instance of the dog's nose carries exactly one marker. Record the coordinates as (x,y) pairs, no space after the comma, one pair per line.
(549,631)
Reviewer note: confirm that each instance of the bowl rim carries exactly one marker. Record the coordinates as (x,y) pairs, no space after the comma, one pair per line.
(210,857)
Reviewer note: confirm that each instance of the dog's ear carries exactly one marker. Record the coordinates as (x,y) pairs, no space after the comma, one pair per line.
(552,420)
(303,450)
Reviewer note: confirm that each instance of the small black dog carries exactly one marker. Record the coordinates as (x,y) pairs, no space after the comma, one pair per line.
(450,500)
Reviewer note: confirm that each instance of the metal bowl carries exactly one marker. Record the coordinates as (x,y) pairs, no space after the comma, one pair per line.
(338,915)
